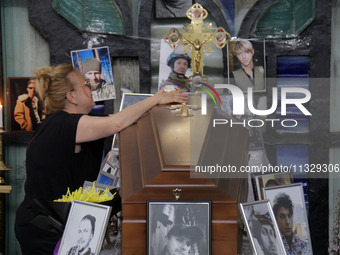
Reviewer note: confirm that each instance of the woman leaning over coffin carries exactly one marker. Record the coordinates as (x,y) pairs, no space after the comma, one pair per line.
(66,148)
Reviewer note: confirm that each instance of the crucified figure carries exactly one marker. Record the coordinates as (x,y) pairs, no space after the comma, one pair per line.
(197,54)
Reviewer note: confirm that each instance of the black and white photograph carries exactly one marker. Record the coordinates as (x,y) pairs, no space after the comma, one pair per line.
(85,228)
(174,67)
(247,64)
(289,209)
(26,107)
(262,229)
(95,65)
(179,227)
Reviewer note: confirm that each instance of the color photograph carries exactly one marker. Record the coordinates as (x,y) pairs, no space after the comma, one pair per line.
(289,209)
(95,65)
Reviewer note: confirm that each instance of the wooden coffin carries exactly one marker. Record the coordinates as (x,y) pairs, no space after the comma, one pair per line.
(156,156)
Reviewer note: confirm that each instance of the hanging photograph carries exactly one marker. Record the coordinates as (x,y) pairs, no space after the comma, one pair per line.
(174,67)
(262,229)
(247,64)
(95,65)
(289,209)
(85,228)
(178,227)
(26,110)
(269,180)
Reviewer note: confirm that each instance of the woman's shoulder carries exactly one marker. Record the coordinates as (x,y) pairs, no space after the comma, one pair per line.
(60,119)
(63,114)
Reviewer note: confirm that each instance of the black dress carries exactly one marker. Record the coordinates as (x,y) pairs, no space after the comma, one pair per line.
(52,167)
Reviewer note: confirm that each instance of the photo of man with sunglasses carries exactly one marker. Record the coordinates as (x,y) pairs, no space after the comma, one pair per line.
(28,111)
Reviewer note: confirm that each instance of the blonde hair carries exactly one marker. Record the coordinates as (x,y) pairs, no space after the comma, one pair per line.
(243,45)
(53,84)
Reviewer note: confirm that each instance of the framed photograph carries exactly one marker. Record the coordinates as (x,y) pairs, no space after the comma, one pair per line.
(99,187)
(85,228)
(289,210)
(269,180)
(263,232)
(95,65)
(178,226)
(247,64)
(174,66)
(127,100)
(25,106)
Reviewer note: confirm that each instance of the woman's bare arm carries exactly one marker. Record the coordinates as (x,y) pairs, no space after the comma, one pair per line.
(92,128)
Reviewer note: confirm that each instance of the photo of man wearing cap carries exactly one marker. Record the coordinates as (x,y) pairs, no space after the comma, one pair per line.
(95,65)
(101,90)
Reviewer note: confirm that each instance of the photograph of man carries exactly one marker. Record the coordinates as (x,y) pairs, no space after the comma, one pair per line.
(179,62)
(264,235)
(95,65)
(248,74)
(182,240)
(85,234)
(28,111)
(178,230)
(100,88)
(283,209)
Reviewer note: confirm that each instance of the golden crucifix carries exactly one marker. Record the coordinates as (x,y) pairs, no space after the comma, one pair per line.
(197,38)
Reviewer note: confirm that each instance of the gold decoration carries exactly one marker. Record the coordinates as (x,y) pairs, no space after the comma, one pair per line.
(197,39)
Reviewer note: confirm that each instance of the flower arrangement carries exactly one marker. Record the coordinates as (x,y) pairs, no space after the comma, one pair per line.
(334,239)
(89,194)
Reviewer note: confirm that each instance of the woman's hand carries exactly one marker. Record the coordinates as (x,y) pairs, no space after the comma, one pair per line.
(176,96)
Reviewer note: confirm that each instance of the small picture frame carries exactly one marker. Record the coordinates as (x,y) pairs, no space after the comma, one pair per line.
(24,105)
(85,228)
(178,225)
(289,210)
(261,181)
(109,171)
(263,232)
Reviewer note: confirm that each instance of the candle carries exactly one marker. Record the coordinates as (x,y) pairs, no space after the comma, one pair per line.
(1,124)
